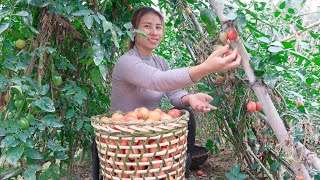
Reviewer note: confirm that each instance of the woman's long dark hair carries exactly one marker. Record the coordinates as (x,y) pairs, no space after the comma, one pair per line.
(137,15)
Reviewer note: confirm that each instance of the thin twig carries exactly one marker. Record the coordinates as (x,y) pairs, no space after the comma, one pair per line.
(255,157)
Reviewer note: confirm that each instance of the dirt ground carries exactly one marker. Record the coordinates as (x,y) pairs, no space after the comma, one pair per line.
(215,167)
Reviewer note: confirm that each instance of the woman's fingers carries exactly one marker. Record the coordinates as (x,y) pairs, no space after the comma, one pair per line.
(232,56)
(221,51)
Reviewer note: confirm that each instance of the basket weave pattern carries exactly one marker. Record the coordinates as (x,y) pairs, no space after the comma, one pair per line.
(142,150)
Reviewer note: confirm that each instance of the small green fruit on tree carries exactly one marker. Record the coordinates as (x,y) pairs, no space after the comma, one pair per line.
(23,123)
(57,80)
(20,44)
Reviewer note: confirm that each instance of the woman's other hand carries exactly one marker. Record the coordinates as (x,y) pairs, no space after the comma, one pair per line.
(199,102)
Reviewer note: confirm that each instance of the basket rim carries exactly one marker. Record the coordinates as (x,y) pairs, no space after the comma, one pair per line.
(96,119)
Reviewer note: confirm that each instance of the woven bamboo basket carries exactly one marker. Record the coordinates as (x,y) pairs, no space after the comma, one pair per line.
(142,150)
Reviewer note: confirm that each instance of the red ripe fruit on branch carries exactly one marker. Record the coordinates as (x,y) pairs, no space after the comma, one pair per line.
(232,34)
(258,106)
(300,103)
(251,106)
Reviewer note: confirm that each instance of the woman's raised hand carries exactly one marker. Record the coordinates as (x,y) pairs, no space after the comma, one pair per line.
(216,62)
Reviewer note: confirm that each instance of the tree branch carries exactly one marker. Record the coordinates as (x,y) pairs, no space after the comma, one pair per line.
(301,31)
(261,92)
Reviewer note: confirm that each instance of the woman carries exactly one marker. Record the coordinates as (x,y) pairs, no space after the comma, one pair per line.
(142,79)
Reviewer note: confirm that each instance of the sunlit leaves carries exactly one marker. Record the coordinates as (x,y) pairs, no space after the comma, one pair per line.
(14,154)
(3,27)
(45,104)
(52,121)
(271,80)
(88,20)
(33,154)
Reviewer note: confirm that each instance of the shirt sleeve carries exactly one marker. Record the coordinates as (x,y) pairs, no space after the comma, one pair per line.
(175,97)
(133,70)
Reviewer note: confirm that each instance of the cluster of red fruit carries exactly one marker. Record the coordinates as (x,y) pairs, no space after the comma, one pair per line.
(254,106)
(142,114)
(225,38)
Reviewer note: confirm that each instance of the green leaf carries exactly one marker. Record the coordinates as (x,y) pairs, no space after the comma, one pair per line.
(255,62)
(208,16)
(242,176)
(7,141)
(33,30)
(231,16)
(45,104)
(11,173)
(131,35)
(33,154)
(103,71)
(88,21)
(50,120)
(3,27)
(275,49)
(3,83)
(141,33)
(83,13)
(30,172)
(241,20)
(128,25)
(291,11)
(54,146)
(22,13)
(282,5)
(60,155)
(29,175)
(2,131)
(80,96)
(106,25)
(79,124)
(275,166)
(101,17)
(22,136)
(70,113)
(271,80)
(301,76)
(98,54)
(96,18)
(115,38)
(316,61)
(44,89)
(209,144)
(264,39)
(14,154)
(309,81)
(277,43)
(17,88)
(95,76)
(298,54)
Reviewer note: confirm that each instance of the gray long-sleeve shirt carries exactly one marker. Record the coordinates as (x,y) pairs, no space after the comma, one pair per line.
(142,81)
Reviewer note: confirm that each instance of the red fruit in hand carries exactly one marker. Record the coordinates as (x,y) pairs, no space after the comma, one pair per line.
(251,106)
(232,34)
(258,106)
(228,52)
